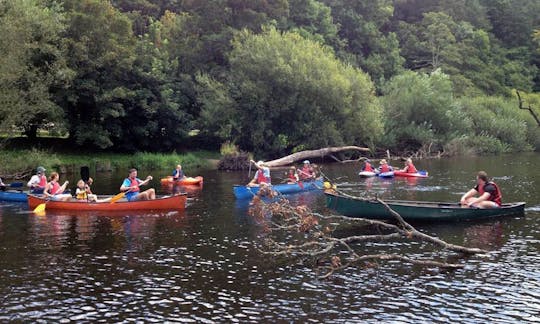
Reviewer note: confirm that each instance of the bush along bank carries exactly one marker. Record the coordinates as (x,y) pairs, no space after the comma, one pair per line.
(22,163)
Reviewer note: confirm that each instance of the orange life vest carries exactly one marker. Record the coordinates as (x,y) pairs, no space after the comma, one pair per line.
(496,197)
(368,167)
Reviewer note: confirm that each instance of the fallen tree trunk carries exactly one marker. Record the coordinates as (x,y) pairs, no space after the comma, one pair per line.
(303,155)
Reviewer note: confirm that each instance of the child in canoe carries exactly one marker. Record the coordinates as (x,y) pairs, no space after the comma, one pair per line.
(83,192)
(384,167)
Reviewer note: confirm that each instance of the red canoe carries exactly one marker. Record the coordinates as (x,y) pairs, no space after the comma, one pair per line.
(177,202)
(419,174)
(186,181)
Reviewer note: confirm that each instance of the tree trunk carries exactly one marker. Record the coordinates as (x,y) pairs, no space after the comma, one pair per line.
(521,106)
(290,159)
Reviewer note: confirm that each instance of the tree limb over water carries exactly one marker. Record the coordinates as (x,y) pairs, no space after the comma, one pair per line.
(521,106)
(303,155)
(296,232)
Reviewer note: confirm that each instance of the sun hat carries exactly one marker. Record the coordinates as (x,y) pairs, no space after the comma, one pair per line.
(40,169)
(260,163)
(306,161)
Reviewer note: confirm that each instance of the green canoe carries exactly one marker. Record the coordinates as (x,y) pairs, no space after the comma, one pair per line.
(416,210)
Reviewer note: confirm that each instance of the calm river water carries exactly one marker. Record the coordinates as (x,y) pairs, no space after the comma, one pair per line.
(200,265)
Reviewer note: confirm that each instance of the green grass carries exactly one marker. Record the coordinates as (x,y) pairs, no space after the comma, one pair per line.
(25,161)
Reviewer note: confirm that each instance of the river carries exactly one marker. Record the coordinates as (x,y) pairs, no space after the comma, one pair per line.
(200,265)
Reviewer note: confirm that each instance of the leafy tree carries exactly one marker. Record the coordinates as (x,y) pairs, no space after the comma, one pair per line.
(287,93)
(421,110)
(364,28)
(32,64)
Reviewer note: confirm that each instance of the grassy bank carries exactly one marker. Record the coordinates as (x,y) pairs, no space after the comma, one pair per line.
(23,162)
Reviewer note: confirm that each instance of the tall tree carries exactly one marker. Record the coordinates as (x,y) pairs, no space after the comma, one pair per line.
(288,93)
(32,64)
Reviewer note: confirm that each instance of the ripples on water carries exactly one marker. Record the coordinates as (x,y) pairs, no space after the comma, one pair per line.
(201,266)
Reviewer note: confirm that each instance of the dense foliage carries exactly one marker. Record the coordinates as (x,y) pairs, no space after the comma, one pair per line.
(273,76)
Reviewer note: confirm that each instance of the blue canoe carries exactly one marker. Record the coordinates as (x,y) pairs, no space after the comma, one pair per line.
(14,195)
(244,192)
(389,174)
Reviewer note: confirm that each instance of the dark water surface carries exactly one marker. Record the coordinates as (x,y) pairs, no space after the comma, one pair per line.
(199,265)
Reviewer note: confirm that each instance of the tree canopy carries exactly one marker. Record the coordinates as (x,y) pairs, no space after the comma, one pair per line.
(270,76)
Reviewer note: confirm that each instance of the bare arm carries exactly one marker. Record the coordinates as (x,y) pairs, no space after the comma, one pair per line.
(468,195)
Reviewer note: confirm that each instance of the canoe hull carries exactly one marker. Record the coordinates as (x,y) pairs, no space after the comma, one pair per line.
(189,181)
(244,192)
(177,202)
(416,211)
(389,174)
(366,174)
(15,196)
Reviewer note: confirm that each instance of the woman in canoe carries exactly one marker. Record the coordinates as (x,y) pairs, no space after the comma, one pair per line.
(262,176)
(367,167)
(489,193)
(384,167)
(131,187)
(307,173)
(409,167)
(54,190)
(178,173)
(292,176)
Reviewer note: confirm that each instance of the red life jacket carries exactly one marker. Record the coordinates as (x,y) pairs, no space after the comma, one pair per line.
(42,181)
(411,168)
(307,172)
(55,188)
(292,177)
(368,167)
(261,178)
(496,197)
(134,183)
(385,168)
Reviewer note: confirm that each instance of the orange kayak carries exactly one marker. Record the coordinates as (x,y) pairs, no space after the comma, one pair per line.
(185,181)
(176,202)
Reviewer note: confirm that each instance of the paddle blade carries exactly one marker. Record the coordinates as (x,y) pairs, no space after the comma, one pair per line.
(40,208)
(85,173)
(117,197)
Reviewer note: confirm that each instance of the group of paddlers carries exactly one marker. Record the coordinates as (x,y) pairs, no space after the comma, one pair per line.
(385,167)
(308,172)
(486,193)
(52,189)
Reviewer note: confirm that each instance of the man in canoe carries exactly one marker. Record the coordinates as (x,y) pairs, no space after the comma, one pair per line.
(262,176)
(306,173)
(489,193)
(409,167)
(131,187)
(38,181)
(178,174)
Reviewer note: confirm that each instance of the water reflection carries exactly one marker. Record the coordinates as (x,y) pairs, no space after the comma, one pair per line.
(199,265)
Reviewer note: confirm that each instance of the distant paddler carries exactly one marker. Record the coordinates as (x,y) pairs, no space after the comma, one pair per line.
(262,176)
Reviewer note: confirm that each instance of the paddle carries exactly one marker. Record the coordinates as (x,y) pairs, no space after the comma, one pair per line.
(11,185)
(41,207)
(85,173)
(119,196)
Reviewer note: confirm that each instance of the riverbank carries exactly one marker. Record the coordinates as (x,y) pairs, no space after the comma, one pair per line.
(20,163)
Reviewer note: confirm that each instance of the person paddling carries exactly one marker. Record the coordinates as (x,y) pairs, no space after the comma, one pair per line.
(409,167)
(306,173)
(262,176)
(131,186)
(292,175)
(38,181)
(489,194)
(178,173)
(384,167)
(367,167)
(54,190)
